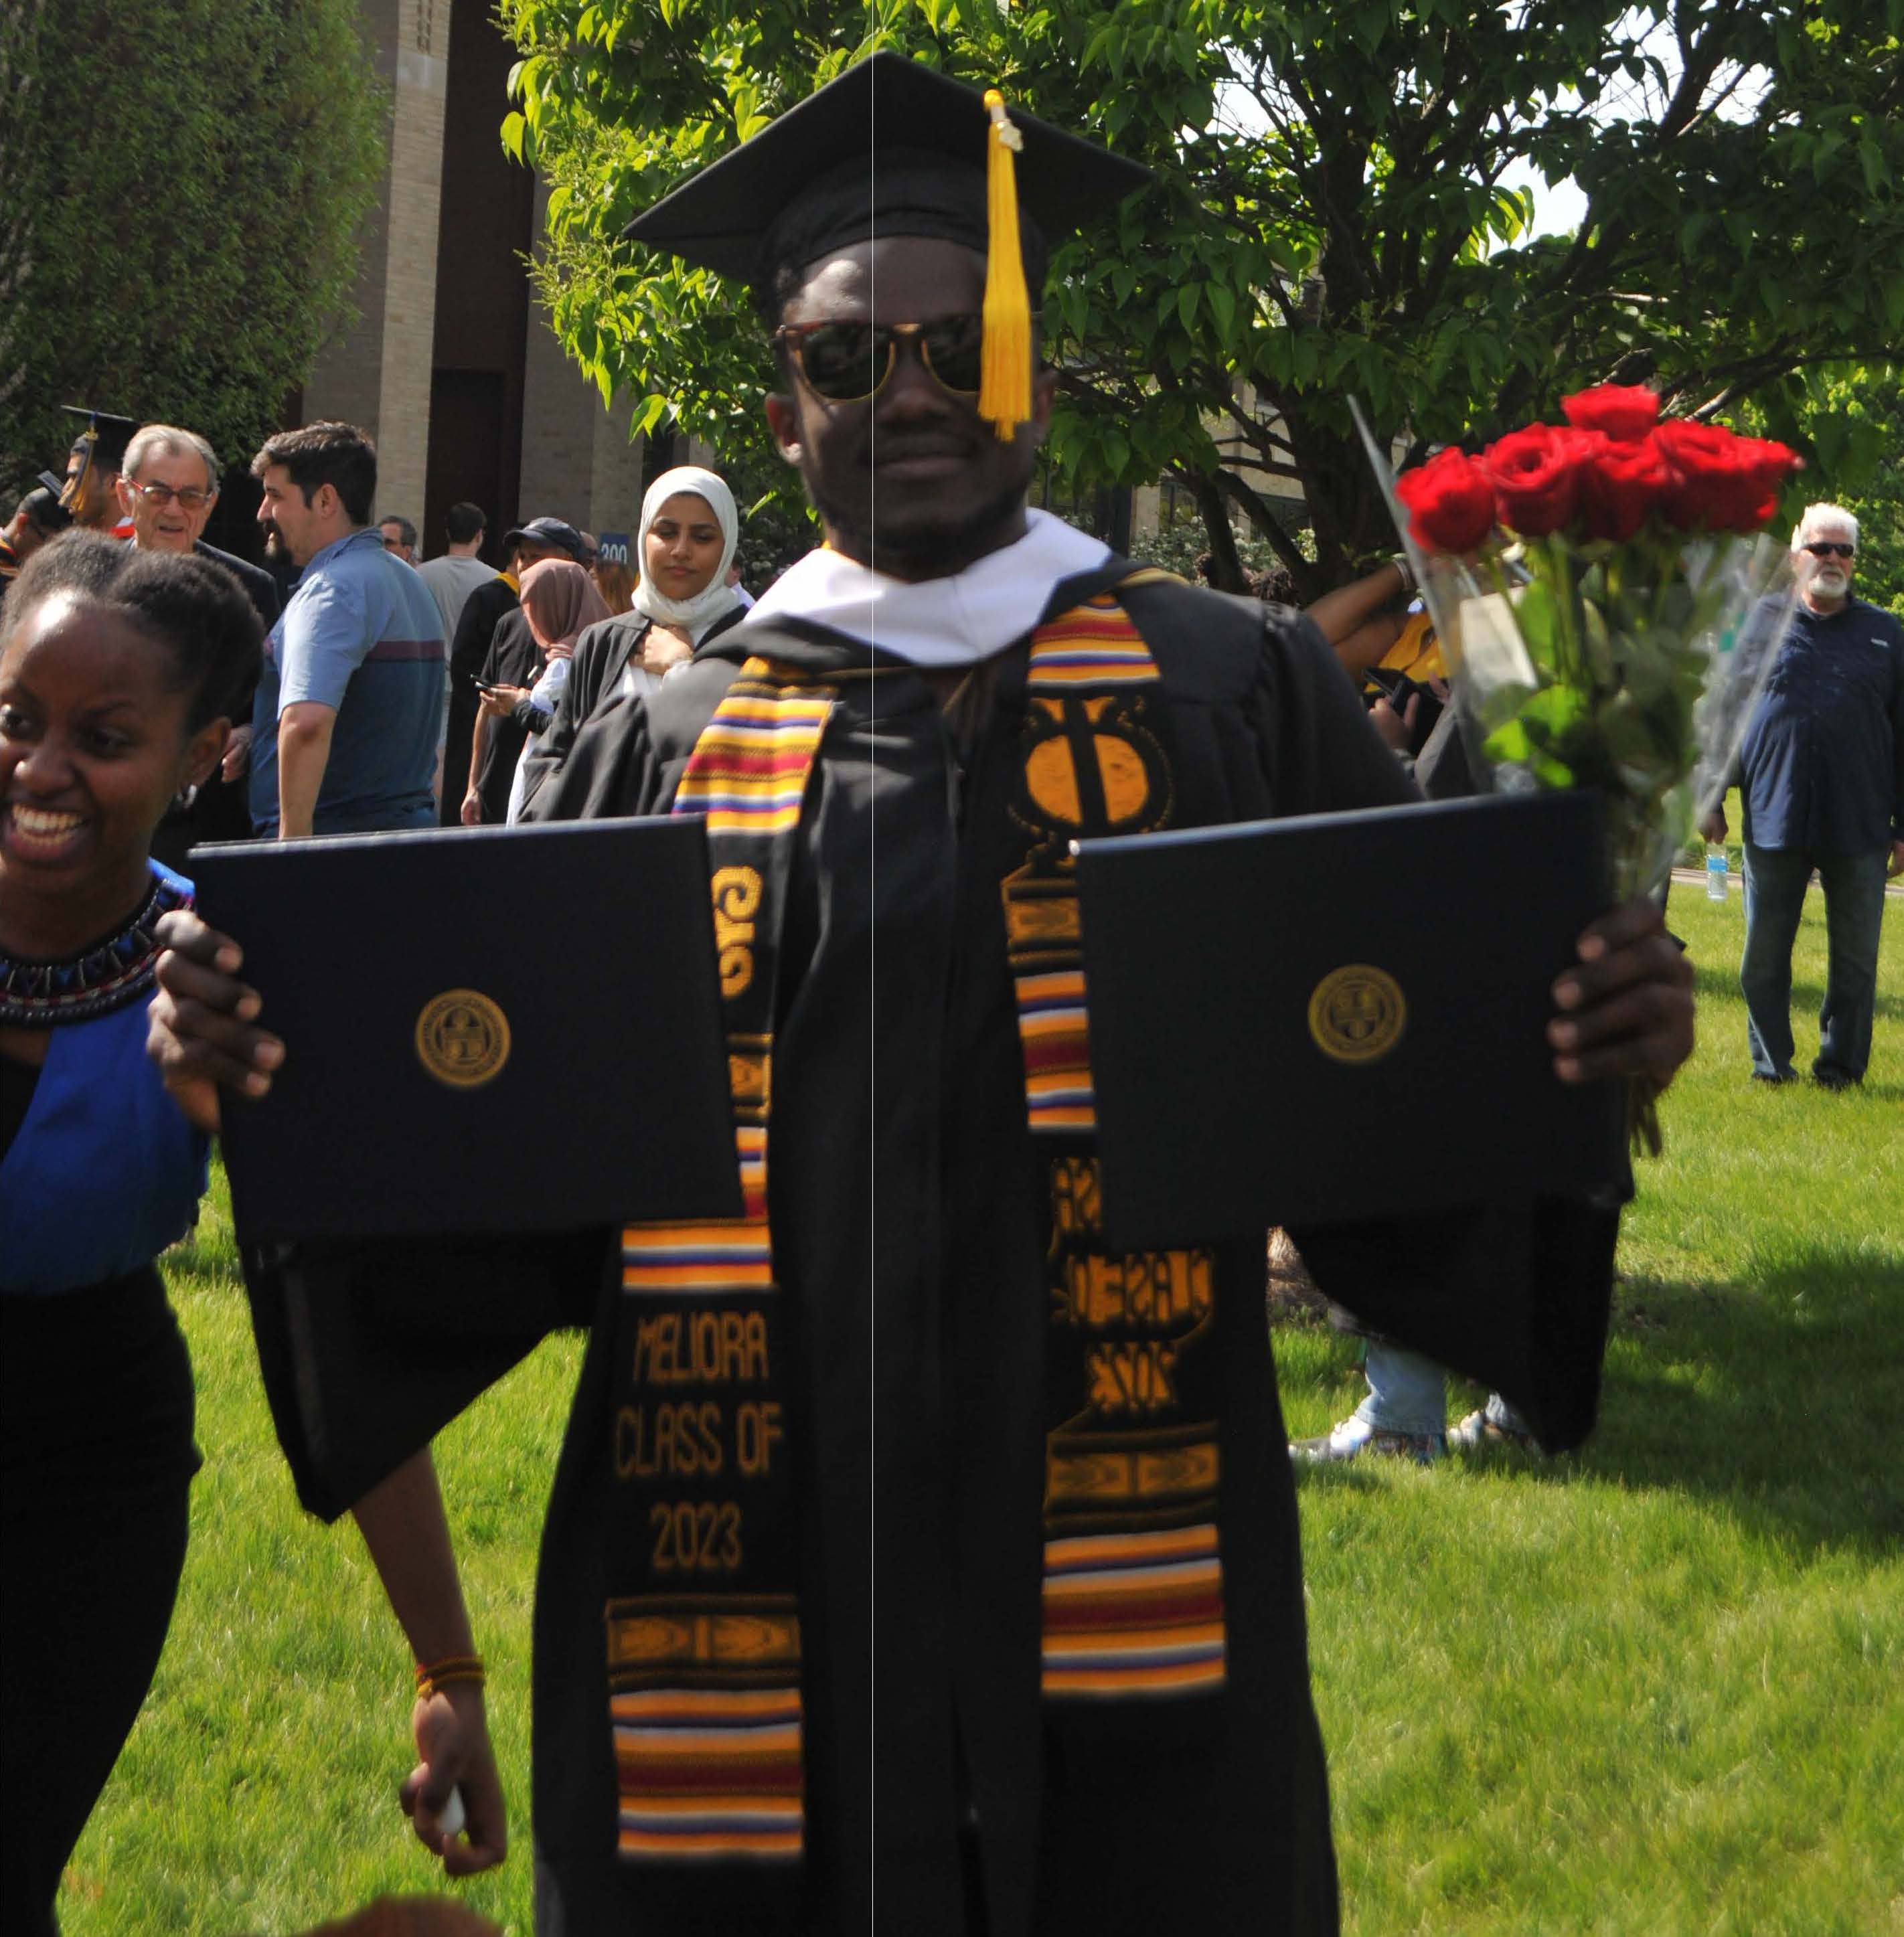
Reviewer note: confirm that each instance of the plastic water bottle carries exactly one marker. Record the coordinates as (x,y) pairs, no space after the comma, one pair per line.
(1715,872)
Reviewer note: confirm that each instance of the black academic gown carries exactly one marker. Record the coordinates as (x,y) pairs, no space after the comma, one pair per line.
(909,1232)
(483,611)
(514,659)
(603,652)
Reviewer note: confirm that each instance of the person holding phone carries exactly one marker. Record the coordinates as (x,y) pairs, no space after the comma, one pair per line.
(558,599)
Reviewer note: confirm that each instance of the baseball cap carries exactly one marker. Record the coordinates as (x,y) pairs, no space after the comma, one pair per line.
(556,534)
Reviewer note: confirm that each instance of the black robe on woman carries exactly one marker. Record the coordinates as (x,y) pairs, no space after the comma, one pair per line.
(909,1239)
(603,654)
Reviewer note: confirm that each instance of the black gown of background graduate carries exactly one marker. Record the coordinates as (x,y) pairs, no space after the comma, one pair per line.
(909,1241)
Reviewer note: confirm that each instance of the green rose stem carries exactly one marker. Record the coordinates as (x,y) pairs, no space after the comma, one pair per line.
(1569,664)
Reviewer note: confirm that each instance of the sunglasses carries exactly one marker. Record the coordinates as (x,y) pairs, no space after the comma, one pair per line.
(1826,549)
(162,495)
(847,362)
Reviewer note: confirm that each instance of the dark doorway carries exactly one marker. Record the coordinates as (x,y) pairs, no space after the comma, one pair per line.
(466,444)
(482,291)
(658,454)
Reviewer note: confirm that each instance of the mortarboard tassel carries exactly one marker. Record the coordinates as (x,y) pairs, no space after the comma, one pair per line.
(1005,385)
(69,494)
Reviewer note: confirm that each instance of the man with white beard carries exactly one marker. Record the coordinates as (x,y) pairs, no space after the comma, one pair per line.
(1821,781)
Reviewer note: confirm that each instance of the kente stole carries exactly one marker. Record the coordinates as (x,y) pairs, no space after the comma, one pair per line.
(704,1660)
(1133,1592)
(704,1694)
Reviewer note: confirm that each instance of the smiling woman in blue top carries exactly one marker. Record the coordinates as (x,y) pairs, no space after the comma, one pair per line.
(118,672)
(348,720)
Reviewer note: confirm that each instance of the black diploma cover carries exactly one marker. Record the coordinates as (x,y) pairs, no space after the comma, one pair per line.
(1280,1010)
(500,1030)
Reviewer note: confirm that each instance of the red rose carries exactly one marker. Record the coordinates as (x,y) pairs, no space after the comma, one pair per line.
(1776,461)
(1535,473)
(1622,412)
(1622,483)
(1450,502)
(1720,481)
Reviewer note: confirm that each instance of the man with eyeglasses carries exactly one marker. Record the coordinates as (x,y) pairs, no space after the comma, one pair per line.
(167,486)
(1820,775)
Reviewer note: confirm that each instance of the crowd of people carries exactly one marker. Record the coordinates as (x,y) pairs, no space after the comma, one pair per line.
(990,1646)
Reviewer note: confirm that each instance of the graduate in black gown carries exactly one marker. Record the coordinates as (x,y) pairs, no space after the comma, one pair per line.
(912,1564)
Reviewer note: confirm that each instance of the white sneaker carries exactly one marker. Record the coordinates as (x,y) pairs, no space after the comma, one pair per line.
(1477,1432)
(1351,1438)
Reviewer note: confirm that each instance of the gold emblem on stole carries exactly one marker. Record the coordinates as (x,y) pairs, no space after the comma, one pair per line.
(1357,1013)
(463,1038)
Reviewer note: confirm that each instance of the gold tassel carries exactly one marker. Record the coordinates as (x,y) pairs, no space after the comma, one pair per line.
(69,497)
(1005,387)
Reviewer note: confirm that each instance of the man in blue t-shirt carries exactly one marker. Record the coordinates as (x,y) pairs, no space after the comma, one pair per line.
(1821,780)
(348,722)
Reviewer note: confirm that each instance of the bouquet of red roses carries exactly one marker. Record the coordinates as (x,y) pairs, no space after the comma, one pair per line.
(1609,608)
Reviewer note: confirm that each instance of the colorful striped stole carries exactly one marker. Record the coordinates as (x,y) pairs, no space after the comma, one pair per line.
(704,1657)
(1133,1594)
(704,1648)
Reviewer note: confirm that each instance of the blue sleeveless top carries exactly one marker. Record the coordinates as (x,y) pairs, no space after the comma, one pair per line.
(104,1172)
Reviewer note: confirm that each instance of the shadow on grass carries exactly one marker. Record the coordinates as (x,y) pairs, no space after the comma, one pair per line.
(1712,981)
(1780,1396)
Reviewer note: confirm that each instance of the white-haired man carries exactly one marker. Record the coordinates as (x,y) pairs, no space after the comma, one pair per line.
(167,485)
(1821,783)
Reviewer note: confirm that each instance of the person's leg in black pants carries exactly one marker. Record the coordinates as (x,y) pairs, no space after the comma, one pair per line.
(94,1509)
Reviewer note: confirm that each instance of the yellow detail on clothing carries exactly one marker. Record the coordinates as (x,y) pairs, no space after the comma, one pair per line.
(1005,382)
(1417,653)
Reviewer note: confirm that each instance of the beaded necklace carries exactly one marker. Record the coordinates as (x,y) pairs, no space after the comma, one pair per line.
(104,977)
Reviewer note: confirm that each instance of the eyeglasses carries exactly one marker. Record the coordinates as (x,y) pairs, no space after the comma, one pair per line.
(1824,548)
(160,496)
(847,362)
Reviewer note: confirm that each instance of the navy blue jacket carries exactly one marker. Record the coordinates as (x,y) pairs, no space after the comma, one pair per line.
(1822,766)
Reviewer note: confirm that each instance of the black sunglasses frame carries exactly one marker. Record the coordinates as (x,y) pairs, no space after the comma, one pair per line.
(886,335)
(1830,548)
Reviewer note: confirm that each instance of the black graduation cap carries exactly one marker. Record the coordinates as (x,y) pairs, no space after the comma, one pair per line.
(896,148)
(42,505)
(103,442)
(105,435)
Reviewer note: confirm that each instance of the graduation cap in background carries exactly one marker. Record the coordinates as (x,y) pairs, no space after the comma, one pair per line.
(103,442)
(893,147)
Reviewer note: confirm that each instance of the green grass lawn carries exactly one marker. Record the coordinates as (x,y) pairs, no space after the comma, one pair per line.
(1654,1687)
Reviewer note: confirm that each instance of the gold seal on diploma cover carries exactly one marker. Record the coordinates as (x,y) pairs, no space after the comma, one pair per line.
(463,1038)
(1357,1013)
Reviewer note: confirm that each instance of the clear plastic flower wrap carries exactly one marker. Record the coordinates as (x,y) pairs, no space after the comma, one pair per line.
(1609,607)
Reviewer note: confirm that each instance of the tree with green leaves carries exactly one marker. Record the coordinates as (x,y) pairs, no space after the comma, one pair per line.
(1852,421)
(186,181)
(1333,214)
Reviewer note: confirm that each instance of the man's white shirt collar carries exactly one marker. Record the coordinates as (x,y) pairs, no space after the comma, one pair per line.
(956,621)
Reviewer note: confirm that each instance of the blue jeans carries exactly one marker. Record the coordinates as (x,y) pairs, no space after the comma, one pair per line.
(1408,1393)
(1775,881)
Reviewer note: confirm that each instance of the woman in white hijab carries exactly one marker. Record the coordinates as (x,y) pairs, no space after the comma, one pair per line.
(689,529)
(685,543)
